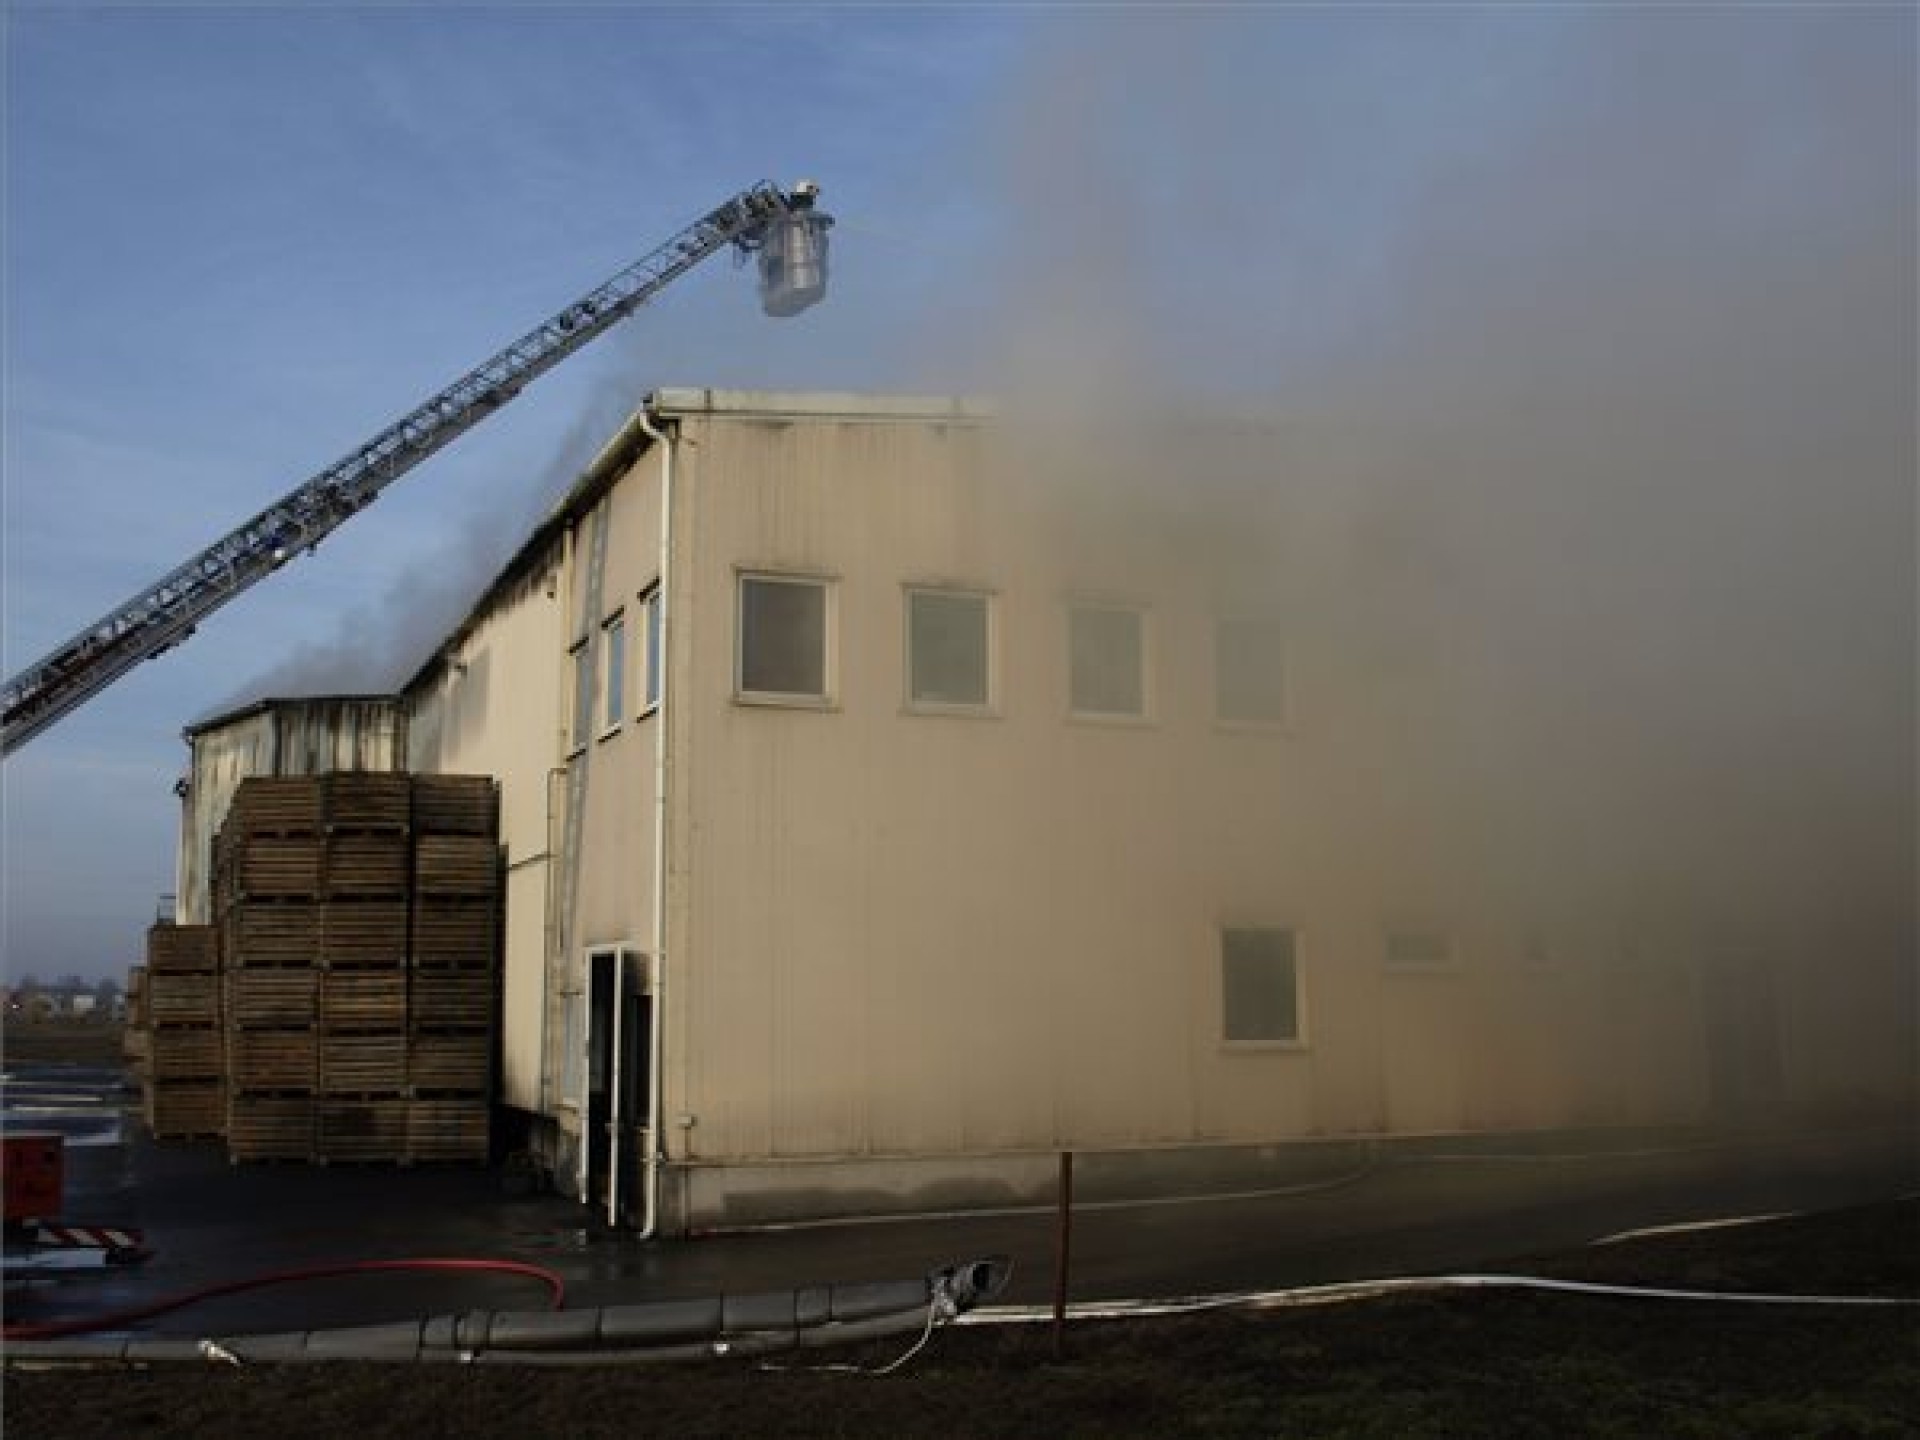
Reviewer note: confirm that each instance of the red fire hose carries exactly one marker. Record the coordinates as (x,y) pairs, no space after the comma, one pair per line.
(118,1319)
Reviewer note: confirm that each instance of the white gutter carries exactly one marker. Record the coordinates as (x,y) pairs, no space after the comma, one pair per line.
(657,959)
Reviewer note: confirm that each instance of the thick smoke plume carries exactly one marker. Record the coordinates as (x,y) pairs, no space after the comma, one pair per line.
(1592,372)
(1554,373)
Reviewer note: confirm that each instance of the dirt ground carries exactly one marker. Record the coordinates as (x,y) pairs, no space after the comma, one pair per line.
(1470,1363)
(85,1041)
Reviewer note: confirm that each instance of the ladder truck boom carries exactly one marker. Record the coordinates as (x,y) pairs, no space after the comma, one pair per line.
(781,227)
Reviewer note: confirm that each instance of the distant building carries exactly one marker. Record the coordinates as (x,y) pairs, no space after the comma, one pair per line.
(880,816)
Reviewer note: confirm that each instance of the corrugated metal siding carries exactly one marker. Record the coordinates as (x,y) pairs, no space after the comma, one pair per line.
(222,758)
(312,739)
(279,737)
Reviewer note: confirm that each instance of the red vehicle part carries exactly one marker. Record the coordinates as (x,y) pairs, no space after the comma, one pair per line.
(35,1170)
(38,1242)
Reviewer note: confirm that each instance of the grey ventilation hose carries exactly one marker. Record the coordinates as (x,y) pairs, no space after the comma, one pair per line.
(656,1331)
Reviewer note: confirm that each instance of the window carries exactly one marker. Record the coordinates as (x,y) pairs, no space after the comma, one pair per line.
(1418,950)
(1106,661)
(947,663)
(582,718)
(655,657)
(1260,987)
(783,637)
(613,678)
(1248,672)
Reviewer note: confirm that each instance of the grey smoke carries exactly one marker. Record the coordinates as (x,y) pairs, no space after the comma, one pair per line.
(1570,359)
(378,646)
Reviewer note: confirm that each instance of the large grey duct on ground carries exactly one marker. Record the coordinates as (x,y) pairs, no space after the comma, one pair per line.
(737,1325)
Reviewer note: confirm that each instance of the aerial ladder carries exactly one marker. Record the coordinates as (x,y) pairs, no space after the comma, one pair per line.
(781,228)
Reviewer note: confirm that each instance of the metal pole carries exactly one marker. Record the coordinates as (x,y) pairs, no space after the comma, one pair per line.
(1062,1253)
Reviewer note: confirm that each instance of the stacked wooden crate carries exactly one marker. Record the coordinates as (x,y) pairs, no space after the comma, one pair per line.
(344,1042)
(363,980)
(184,1095)
(266,889)
(453,974)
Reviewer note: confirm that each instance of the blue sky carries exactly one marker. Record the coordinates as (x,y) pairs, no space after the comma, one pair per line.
(240,239)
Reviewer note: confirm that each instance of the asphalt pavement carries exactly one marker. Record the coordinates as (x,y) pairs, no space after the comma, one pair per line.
(1397,1210)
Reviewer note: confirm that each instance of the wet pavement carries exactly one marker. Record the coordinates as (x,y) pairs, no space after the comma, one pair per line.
(1409,1209)
(84,1103)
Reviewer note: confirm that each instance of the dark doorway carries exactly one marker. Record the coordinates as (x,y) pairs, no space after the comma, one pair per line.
(603,968)
(634,1111)
(619,1079)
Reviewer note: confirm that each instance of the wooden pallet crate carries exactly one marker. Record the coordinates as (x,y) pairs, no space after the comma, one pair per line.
(456,865)
(185,1109)
(273,1060)
(277,804)
(272,997)
(182,949)
(450,1061)
(222,886)
(456,805)
(185,999)
(136,1000)
(447,997)
(271,1127)
(363,1064)
(368,800)
(367,865)
(449,1130)
(275,866)
(185,1052)
(365,933)
(268,933)
(456,928)
(364,999)
(361,1130)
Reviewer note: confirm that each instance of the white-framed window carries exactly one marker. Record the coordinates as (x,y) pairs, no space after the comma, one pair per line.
(949,648)
(1260,992)
(1249,672)
(781,652)
(653,655)
(1417,949)
(613,672)
(580,682)
(1106,661)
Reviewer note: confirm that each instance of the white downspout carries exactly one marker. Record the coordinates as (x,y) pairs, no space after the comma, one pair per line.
(657,963)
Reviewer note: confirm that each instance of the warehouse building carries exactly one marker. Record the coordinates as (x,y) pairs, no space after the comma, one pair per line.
(879,816)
